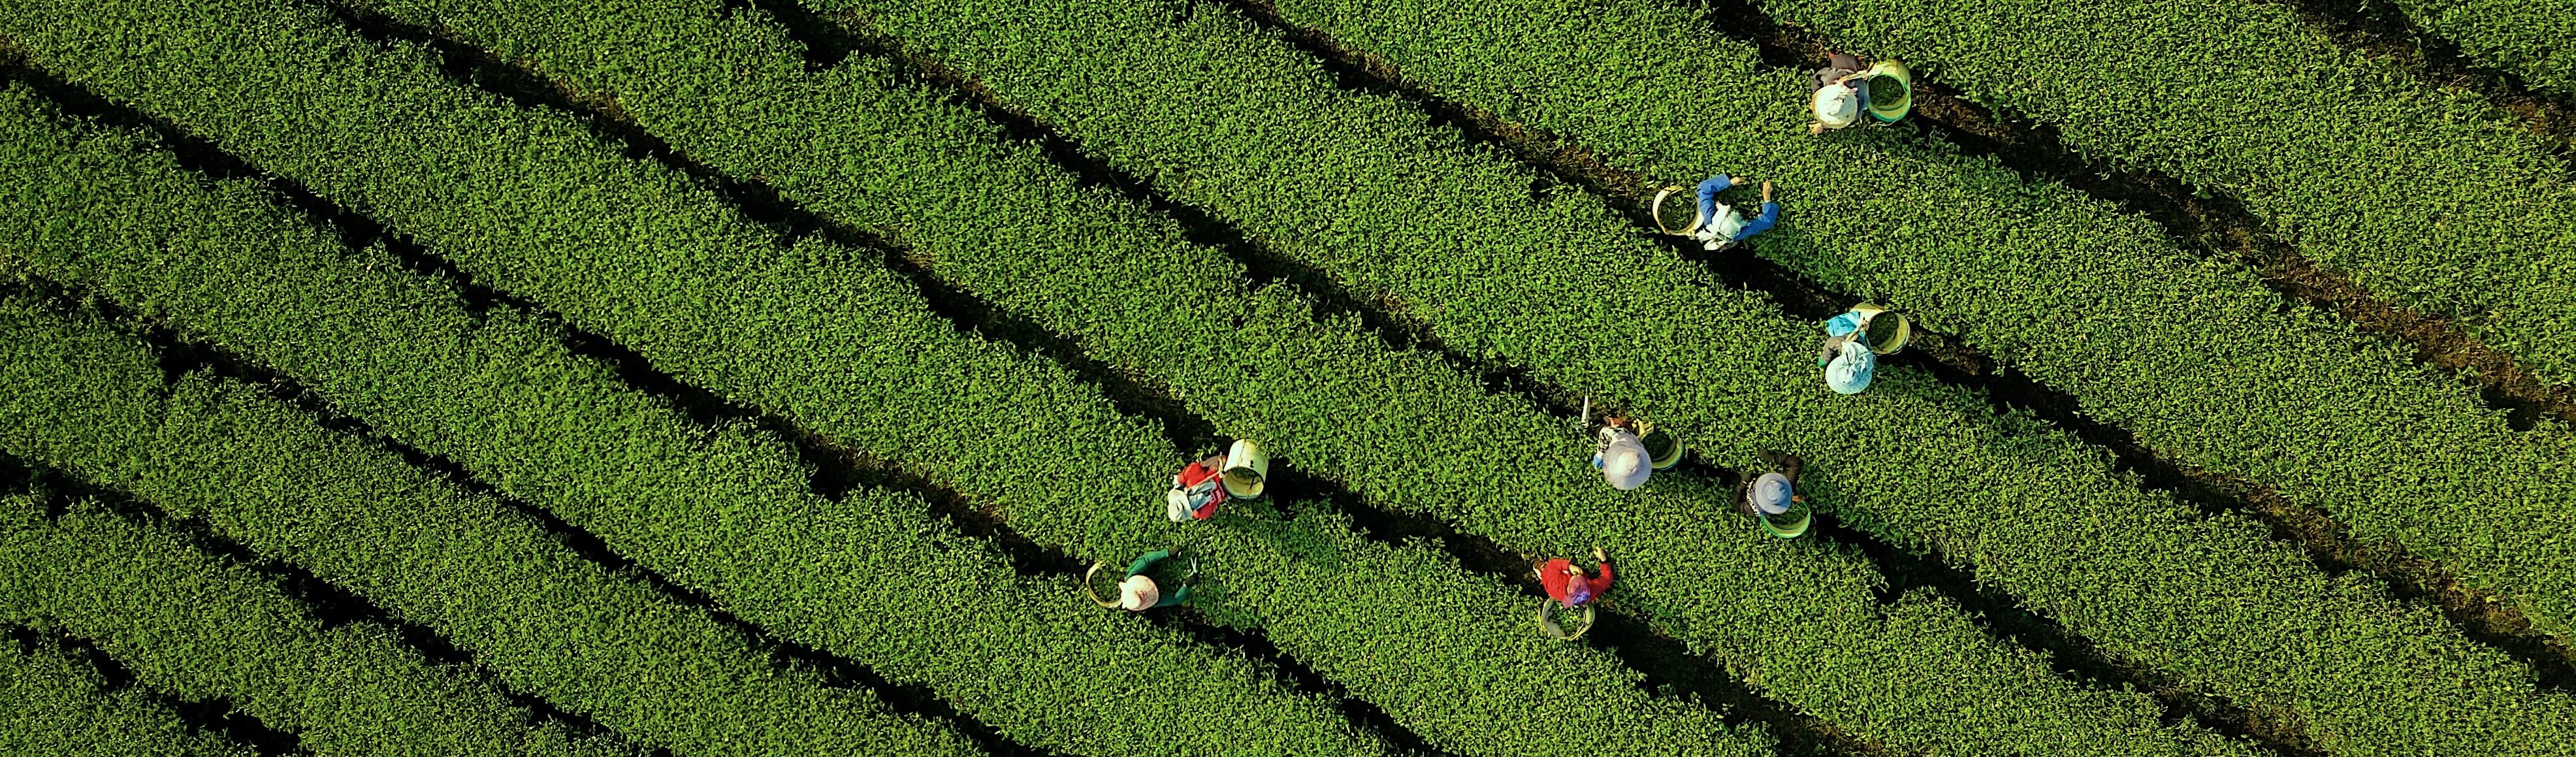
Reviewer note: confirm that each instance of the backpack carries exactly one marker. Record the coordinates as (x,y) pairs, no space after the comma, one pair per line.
(1195,494)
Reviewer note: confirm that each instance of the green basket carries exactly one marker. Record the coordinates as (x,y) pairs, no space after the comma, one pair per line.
(1891,91)
(1663,449)
(1791,524)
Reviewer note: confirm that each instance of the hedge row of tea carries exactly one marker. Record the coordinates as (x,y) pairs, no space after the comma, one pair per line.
(2516,36)
(211,262)
(2430,198)
(2182,352)
(490,580)
(1560,286)
(53,704)
(1254,362)
(194,625)
(829,338)
(712,106)
(1028,660)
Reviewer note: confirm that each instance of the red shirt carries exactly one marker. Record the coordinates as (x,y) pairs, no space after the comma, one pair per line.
(1569,588)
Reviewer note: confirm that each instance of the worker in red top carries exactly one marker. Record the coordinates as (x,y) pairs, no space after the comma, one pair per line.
(1566,583)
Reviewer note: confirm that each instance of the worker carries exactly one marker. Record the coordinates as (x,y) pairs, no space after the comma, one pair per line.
(1719,226)
(1621,456)
(1841,93)
(1568,586)
(1196,491)
(1138,592)
(1240,473)
(1847,358)
(1773,492)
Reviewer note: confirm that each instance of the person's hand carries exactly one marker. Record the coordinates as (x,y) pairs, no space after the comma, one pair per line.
(1816,127)
(1598,557)
(1766,190)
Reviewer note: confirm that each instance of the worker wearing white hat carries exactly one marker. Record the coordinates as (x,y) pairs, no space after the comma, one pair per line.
(1621,456)
(1138,592)
(1848,356)
(1841,93)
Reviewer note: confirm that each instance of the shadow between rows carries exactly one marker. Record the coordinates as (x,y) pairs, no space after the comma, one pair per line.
(213,717)
(329,605)
(2381,29)
(1946,358)
(838,469)
(840,35)
(180,355)
(2218,226)
(1950,361)
(843,35)
(834,470)
(2207,223)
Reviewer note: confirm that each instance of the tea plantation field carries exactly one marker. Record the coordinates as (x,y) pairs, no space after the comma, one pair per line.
(764,377)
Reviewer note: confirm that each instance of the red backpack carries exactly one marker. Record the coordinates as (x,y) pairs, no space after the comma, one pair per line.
(1195,492)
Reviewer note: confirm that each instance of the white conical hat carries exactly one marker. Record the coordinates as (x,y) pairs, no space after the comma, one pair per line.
(1625,463)
(1138,593)
(1836,106)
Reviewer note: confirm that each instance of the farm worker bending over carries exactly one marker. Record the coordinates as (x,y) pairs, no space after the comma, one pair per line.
(1841,93)
(1621,456)
(1210,481)
(1196,491)
(1718,226)
(1848,361)
(1139,592)
(1772,492)
(1566,583)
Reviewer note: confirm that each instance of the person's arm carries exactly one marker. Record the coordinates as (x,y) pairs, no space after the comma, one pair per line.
(1147,561)
(1601,585)
(1761,223)
(1789,468)
(1708,199)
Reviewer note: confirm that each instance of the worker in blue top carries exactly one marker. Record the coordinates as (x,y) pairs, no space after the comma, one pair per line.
(1718,226)
(1848,361)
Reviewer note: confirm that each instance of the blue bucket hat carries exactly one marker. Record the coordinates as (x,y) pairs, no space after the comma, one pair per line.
(1771,494)
(1851,370)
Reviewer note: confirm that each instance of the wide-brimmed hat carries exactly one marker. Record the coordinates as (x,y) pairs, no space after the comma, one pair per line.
(1625,463)
(1771,494)
(1836,105)
(1138,593)
(1850,371)
(1246,468)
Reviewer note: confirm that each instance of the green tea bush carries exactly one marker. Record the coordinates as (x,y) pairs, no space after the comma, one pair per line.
(489,579)
(1225,117)
(188,623)
(54,706)
(2521,37)
(2199,361)
(1258,363)
(403,353)
(1028,659)
(2430,198)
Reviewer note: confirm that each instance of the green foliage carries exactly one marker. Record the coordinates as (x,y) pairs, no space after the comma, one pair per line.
(196,627)
(501,394)
(402,353)
(2199,360)
(490,580)
(1258,364)
(2526,37)
(1220,117)
(54,706)
(2431,198)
